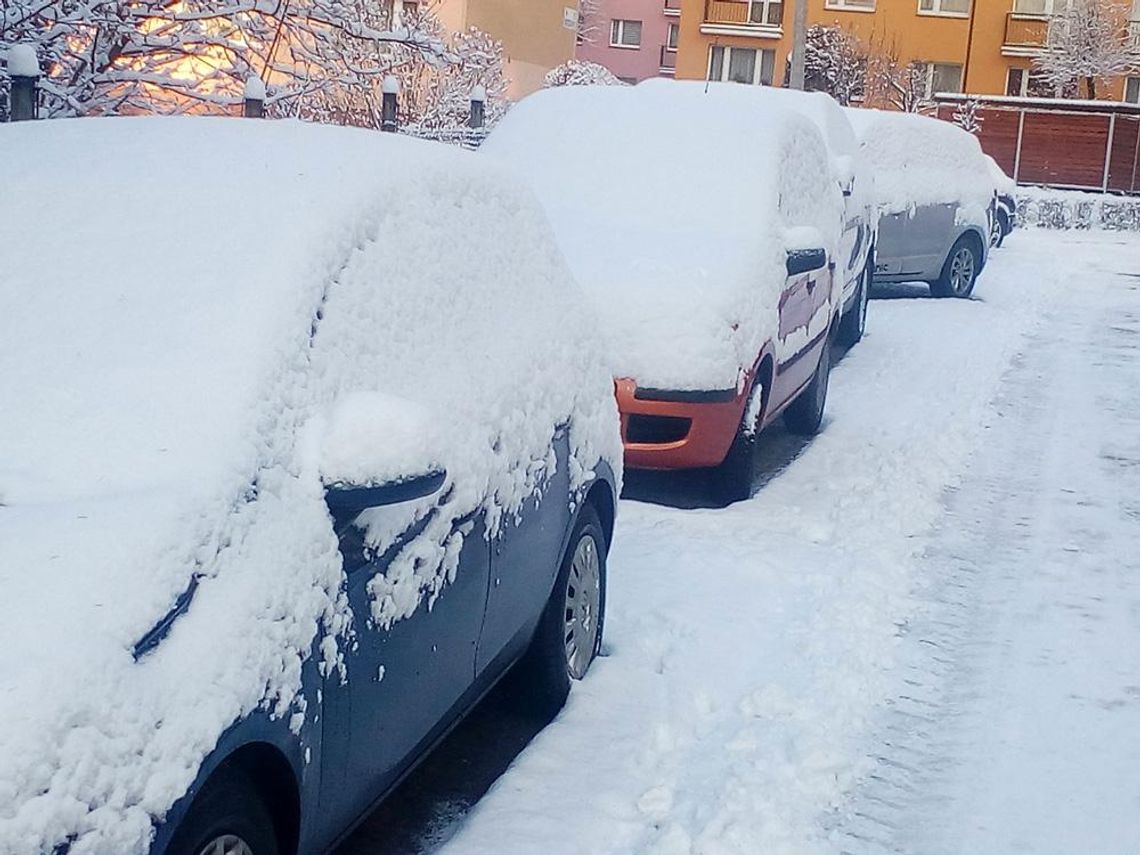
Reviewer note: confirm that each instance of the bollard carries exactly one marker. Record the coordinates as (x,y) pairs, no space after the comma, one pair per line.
(388,120)
(24,69)
(478,107)
(254,98)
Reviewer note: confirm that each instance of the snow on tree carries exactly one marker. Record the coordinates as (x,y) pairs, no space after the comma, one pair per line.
(578,72)
(967,117)
(590,21)
(836,63)
(1087,41)
(894,83)
(323,59)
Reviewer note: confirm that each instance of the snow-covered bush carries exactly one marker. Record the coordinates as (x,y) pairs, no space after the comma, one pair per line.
(966,116)
(579,72)
(835,62)
(1072,209)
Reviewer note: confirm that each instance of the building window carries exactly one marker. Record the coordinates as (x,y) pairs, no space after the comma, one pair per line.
(943,77)
(769,12)
(1026,82)
(861,5)
(1040,7)
(625,34)
(944,7)
(741,65)
(671,37)
(1132,90)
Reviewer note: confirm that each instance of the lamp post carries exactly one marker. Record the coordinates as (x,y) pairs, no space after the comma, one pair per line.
(478,114)
(254,97)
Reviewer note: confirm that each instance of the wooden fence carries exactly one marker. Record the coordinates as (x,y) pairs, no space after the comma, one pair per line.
(1085,145)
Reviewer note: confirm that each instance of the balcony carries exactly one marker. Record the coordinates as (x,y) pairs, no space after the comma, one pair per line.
(1025,35)
(672,8)
(668,64)
(760,18)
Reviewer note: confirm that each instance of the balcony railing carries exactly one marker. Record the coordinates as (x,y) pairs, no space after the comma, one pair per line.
(668,60)
(673,8)
(745,13)
(1025,31)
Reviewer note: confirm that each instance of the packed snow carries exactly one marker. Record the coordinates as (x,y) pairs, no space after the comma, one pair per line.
(677,230)
(169,372)
(919,160)
(756,692)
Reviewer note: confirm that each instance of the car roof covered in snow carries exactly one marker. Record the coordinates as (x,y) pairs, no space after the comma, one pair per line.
(919,160)
(675,208)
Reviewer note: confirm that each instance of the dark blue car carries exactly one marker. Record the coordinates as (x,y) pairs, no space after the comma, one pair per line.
(296,462)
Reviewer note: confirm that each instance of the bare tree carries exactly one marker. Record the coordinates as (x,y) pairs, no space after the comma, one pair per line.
(835,63)
(322,59)
(894,83)
(1088,41)
(590,21)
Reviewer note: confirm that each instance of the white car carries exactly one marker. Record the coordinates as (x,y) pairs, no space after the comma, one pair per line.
(307,439)
(936,200)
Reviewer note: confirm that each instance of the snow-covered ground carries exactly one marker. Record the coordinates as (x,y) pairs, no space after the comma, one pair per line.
(922,636)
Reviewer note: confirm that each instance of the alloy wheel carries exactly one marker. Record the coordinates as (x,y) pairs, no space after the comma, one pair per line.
(583,603)
(962,270)
(227,844)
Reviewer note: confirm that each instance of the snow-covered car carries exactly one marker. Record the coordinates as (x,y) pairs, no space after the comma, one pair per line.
(707,236)
(307,439)
(936,200)
(855,259)
(1005,208)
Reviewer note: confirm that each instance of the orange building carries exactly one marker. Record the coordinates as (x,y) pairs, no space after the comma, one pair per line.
(983,47)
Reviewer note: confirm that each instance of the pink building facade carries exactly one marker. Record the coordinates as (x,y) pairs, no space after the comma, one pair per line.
(634,39)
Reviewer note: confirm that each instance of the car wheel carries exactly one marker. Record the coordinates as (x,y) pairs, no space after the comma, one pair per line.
(854,322)
(995,232)
(1003,227)
(960,271)
(227,818)
(569,633)
(733,478)
(804,415)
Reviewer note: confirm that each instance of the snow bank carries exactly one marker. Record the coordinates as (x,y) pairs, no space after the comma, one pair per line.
(1072,209)
(923,161)
(671,206)
(167,376)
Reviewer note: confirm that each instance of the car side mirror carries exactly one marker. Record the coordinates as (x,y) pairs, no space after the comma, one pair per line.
(345,500)
(376,450)
(806,260)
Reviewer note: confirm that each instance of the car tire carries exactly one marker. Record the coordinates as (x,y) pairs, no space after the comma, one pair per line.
(960,271)
(569,633)
(733,478)
(804,416)
(1003,227)
(228,811)
(854,321)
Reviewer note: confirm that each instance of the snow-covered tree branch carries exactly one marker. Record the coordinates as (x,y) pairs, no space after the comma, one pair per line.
(1087,42)
(836,63)
(578,72)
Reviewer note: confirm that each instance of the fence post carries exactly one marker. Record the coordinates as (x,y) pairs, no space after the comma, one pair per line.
(478,107)
(24,70)
(388,115)
(254,98)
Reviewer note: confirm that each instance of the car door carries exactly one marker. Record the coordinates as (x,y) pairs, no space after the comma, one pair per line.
(805,298)
(402,683)
(525,558)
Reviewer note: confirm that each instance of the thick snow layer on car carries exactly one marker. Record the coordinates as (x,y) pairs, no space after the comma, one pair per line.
(1002,182)
(923,161)
(672,206)
(181,331)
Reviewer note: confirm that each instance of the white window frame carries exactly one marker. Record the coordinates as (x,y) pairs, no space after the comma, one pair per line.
(726,64)
(930,66)
(672,34)
(1133,84)
(851,5)
(936,9)
(618,28)
(1052,7)
(766,7)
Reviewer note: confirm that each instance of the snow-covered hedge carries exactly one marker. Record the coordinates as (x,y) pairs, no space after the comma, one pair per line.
(1072,209)
(579,72)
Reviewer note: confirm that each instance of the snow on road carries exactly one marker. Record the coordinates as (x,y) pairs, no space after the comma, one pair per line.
(769,684)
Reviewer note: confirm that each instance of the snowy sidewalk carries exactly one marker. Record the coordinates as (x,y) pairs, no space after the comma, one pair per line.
(1018,726)
(756,654)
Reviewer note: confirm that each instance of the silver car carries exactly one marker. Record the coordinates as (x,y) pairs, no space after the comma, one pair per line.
(936,200)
